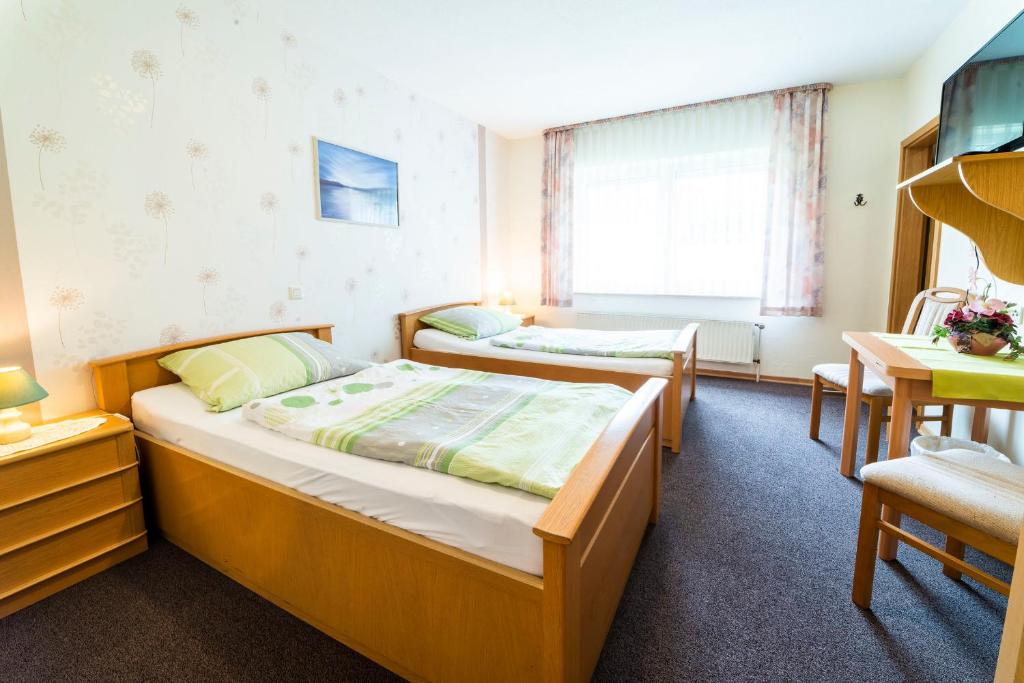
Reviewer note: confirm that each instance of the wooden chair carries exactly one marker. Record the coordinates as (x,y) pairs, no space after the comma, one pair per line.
(973,498)
(928,309)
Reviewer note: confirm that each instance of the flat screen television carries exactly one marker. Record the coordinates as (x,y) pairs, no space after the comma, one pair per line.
(983,102)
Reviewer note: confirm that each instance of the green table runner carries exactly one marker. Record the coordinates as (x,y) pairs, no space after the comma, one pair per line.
(961,375)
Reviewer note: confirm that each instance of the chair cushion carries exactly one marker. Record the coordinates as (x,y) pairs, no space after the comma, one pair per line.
(973,488)
(839,373)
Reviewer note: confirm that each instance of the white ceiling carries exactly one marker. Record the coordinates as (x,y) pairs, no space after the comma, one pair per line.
(519,66)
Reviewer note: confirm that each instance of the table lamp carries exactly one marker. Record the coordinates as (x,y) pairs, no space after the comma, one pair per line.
(17,388)
(506,301)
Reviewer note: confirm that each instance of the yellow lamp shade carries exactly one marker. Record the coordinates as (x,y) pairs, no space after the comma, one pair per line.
(507,299)
(17,388)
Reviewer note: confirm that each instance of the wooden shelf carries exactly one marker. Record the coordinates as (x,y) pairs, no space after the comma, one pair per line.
(982,196)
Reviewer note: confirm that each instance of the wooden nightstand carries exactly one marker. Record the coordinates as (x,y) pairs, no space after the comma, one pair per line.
(528,320)
(68,510)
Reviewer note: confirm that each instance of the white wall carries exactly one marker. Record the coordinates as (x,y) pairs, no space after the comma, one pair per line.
(865,127)
(496,167)
(91,256)
(971,29)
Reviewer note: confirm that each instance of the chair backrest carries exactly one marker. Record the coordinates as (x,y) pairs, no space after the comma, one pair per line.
(931,307)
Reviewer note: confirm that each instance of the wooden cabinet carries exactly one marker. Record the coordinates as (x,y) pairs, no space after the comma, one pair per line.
(68,510)
(528,320)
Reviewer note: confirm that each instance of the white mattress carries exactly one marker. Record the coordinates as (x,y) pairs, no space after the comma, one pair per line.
(436,340)
(492,521)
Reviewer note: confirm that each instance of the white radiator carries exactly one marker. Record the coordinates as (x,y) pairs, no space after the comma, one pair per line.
(718,341)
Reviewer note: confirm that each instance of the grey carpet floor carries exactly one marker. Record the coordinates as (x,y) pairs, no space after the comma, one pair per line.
(746,577)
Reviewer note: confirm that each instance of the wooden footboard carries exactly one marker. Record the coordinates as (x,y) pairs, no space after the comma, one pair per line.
(592,531)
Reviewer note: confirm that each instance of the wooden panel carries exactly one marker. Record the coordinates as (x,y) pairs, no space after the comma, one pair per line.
(27,565)
(558,373)
(622,469)
(42,516)
(423,609)
(118,377)
(89,566)
(979,195)
(607,562)
(594,528)
(30,477)
(1001,241)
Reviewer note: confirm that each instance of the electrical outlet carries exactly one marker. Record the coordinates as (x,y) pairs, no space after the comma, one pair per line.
(295,293)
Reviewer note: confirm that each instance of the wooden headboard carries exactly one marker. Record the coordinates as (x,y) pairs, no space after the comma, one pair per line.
(118,377)
(409,323)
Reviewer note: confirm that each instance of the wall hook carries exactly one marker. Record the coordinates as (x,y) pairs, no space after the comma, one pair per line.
(859,200)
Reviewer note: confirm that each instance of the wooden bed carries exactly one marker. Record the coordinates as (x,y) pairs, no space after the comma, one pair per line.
(682,383)
(425,610)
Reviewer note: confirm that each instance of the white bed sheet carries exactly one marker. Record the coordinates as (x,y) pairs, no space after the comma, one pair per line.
(492,521)
(436,340)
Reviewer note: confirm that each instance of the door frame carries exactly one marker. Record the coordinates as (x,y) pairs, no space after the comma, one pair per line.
(916,238)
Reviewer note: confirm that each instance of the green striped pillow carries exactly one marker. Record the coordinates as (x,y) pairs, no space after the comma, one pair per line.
(229,374)
(472,322)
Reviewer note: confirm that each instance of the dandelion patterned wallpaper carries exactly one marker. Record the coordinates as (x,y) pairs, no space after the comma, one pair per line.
(161,177)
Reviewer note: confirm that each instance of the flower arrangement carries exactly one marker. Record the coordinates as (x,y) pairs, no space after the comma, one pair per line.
(982,326)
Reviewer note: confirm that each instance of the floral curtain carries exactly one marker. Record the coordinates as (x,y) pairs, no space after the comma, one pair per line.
(556,225)
(794,248)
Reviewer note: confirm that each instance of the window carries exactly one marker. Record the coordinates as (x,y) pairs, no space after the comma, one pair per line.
(674,203)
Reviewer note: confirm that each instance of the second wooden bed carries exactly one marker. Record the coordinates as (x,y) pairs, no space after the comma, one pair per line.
(682,381)
(425,610)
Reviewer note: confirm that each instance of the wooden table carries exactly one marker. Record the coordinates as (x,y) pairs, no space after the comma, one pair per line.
(911,382)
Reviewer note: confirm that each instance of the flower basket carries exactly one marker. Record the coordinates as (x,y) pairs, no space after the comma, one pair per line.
(982,326)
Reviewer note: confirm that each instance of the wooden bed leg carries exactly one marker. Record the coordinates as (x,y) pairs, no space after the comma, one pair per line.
(693,370)
(658,428)
(867,541)
(676,410)
(956,548)
(561,656)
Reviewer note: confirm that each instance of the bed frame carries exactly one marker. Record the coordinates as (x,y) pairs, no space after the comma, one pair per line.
(425,610)
(681,382)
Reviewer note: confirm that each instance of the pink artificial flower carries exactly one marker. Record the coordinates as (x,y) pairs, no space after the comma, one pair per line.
(968,315)
(995,304)
(977,305)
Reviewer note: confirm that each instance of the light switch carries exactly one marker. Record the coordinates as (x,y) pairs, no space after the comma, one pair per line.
(295,293)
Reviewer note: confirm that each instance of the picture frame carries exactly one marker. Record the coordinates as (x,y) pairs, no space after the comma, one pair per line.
(353,186)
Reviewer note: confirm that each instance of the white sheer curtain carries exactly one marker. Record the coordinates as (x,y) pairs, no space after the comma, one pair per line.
(674,202)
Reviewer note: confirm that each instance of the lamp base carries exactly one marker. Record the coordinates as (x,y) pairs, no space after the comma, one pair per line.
(12,428)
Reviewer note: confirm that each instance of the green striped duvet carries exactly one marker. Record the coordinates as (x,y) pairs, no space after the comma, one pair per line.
(616,344)
(519,432)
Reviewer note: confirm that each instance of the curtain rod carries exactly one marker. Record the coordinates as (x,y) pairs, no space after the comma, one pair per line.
(693,105)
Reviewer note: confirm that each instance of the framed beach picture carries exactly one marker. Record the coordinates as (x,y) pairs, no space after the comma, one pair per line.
(353,186)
